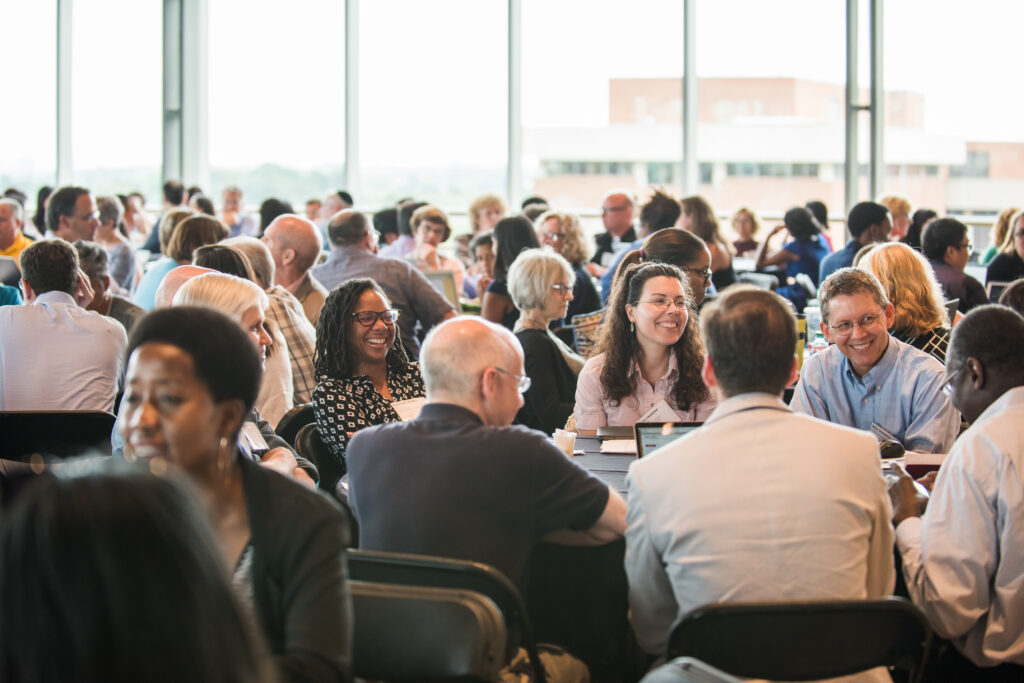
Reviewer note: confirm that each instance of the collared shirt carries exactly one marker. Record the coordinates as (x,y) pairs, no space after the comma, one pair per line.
(55,355)
(403,246)
(408,289)
(245,225)
(19,245)
(902,394)
(836,260)
(964,561)
(300,337)
(594,409)
(311,294)
(734,511)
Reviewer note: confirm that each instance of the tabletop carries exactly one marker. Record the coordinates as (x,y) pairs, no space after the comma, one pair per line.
(610,468)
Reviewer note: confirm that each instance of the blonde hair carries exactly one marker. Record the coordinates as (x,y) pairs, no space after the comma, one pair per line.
(753,219)
(911,286)
(230,295)
(1009,246)
(482,202)
(896,204)
(573,247)
(532,275)
(1002,226)
(168,223)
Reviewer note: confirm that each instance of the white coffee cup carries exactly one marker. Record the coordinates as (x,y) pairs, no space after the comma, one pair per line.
(566,441)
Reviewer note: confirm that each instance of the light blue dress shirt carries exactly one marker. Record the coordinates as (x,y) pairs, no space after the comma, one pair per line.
(902,394)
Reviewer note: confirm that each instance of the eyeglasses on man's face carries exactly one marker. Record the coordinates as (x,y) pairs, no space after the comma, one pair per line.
(662,303)
(523,381)
(845,328)
(947,388)
(369,318)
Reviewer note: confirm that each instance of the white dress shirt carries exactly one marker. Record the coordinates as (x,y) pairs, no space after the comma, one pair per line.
(760,503)
(55,355)
(964,560)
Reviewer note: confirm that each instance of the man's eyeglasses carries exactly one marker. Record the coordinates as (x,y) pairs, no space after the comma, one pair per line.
(523,380)
(845,328)
(369,318)
(662,303)
(947,388)
(969,246)
(705,273)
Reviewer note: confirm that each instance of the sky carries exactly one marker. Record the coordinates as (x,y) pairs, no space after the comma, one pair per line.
(432,77)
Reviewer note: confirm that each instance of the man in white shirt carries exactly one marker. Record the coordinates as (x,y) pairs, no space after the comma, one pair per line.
(760,503)
(964,560)
(54,354)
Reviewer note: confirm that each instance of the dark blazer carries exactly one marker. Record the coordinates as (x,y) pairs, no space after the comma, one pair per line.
(552,394)
(603,242)
(299,584)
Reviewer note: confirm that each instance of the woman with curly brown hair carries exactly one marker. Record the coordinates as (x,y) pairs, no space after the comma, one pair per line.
(647,354)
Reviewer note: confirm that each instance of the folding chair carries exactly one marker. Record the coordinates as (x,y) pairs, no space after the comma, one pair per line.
(418,633)
(801,641)
(688,670)
(439,572)
(59,433)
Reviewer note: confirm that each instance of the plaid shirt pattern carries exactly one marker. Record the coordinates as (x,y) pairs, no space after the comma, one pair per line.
(286,311)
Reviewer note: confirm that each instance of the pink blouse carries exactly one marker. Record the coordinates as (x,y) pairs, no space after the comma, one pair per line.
(594,409)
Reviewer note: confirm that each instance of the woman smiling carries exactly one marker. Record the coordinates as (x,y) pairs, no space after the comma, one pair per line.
(647,354)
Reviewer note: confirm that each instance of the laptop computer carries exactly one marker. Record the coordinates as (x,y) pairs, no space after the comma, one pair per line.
(995,290)
(651,436)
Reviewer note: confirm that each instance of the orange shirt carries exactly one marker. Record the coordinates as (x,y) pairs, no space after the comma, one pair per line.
(17,246)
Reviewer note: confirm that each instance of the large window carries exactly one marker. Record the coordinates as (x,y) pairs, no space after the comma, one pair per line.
(433,100)
(276,99)
(115,97)
(602,101)
(954,105)
(28,51)
(772,104)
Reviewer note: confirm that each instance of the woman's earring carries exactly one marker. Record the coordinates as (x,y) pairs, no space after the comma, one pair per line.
(223,457)
(632,328)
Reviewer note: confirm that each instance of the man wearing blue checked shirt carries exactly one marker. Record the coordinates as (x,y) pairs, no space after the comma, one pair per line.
(869,380)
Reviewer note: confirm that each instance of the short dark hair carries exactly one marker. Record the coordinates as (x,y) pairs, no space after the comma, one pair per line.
(192,233)
(485,237)
(62,203)
(405,212)
(223,259)
(347,228)
(50,266)
(93,259)
(941,234)
(863,216)
(270,209)
(660,211)
(204,204)
(750,335)
(819,211)
(916,227)
(1013,296)
(174,192)
(534,199)
(802,224)
(385,222)
(17,195)
(991,333)
(346,197)
(87,559)
(193,190)
(223,355)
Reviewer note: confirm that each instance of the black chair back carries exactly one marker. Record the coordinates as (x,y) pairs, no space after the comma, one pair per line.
(801,641)
(57,433)
(417,633)
(295,419)
(309,445)
(439,572)
(688,670)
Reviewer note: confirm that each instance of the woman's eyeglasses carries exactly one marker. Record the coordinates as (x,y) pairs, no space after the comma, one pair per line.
(369,318)
(705,273)
(662,303)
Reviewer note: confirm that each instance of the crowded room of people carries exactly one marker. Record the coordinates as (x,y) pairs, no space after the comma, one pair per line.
(511,341)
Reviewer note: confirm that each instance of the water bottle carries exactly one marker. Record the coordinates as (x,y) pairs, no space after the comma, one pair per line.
(819,343)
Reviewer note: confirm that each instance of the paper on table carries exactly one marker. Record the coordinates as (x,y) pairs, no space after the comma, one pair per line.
(619,446)
(408,409)
(661,412)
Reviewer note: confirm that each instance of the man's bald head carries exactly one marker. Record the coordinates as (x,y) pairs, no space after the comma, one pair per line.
(457,351)
(293,242)
(173,281)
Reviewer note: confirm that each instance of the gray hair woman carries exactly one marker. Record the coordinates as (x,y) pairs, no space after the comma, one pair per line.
(540,283)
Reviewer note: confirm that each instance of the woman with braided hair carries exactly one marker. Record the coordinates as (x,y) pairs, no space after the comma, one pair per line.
(360,364)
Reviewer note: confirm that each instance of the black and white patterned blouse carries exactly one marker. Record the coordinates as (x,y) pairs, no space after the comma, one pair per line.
(344,406)
(934,342)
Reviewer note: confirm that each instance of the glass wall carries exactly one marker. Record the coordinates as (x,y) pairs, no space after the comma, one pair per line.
(276,99)
(116,106)
(29,118)
(772,102)
(602,100)
(953,139)
(433,100)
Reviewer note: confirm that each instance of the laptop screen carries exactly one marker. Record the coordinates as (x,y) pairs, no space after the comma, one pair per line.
(651,436)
